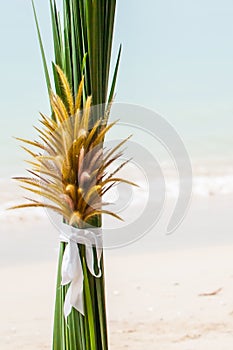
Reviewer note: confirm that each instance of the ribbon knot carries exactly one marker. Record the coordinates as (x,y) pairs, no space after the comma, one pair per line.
(72,270)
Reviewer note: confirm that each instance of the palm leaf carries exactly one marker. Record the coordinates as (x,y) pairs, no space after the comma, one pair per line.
(42,50)
(82,41)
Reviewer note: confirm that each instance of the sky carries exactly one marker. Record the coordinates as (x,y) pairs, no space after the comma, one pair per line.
(177,60)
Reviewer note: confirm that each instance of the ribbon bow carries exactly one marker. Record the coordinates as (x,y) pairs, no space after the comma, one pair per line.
(72,271)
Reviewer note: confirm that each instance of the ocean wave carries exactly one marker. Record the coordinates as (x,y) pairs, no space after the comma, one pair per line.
(204,186)
(17,214)
(209,179)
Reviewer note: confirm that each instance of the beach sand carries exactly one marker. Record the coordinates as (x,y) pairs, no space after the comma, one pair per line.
(157,301)
(163,292)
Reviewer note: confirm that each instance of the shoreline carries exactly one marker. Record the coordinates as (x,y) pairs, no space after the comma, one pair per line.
(174,291)
(29,235)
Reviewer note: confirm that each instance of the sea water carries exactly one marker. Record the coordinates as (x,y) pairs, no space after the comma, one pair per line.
(178,63)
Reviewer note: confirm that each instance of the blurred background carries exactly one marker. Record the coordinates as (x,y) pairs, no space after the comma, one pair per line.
(177,60)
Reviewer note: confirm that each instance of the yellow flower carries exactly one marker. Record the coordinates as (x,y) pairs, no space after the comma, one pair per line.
(71,173)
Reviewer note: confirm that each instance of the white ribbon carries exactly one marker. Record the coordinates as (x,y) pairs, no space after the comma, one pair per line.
(72,271)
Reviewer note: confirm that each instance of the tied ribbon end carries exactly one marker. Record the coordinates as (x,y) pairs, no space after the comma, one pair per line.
(72,270)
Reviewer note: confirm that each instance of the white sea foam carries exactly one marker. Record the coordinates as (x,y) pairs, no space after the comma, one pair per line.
(209,179)
(204,186)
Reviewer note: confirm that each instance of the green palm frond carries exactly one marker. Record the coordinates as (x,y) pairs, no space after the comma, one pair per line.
(73,158)
(82,41)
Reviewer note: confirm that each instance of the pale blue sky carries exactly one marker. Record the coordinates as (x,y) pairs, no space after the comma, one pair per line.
(177,59)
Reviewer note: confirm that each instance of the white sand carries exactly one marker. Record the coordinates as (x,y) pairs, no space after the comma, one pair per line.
(153,294)
(153,300)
